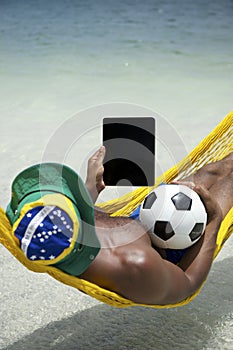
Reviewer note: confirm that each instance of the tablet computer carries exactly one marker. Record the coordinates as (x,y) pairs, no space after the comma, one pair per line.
(130,151)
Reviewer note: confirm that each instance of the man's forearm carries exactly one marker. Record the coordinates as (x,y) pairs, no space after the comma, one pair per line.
(198,270)
(91,187)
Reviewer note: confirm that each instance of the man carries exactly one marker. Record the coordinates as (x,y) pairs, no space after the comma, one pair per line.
(133,268)
(50,204)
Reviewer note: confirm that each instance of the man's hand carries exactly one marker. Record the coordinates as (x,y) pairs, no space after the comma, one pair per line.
(95,171)
(213,209)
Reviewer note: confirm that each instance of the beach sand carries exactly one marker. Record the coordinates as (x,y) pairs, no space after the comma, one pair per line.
(59,59)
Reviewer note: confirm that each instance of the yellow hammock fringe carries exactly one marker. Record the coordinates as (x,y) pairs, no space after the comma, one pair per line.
(217,145)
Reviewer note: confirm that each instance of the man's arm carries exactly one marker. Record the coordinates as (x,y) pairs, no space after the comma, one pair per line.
(185,282)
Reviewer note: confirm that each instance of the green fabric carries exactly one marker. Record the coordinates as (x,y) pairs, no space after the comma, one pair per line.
(46,178)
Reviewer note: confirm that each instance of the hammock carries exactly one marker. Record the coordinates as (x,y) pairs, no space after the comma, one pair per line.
(217,145)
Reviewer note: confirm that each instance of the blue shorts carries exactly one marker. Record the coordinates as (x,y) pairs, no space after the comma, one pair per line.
(173,255)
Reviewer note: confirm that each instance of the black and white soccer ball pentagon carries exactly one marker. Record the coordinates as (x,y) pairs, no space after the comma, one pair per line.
(174,216)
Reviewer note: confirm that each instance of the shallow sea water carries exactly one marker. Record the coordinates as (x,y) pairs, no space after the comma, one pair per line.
(62,58)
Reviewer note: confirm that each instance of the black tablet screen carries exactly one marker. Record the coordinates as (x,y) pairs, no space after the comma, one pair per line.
(130,151)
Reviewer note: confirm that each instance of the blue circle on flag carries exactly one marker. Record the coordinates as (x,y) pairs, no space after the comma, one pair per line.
(44,232)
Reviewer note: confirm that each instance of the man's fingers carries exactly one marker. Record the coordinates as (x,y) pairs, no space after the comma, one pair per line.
(203,192)
(189,184)
(211,206)
(98,156)
(102,152)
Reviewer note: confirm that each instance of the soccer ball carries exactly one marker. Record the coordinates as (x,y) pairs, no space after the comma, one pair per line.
(174,216)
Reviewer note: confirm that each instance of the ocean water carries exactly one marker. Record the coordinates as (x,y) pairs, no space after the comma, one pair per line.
(59,59)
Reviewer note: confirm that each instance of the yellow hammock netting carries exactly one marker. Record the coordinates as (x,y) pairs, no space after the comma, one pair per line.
(217,145)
